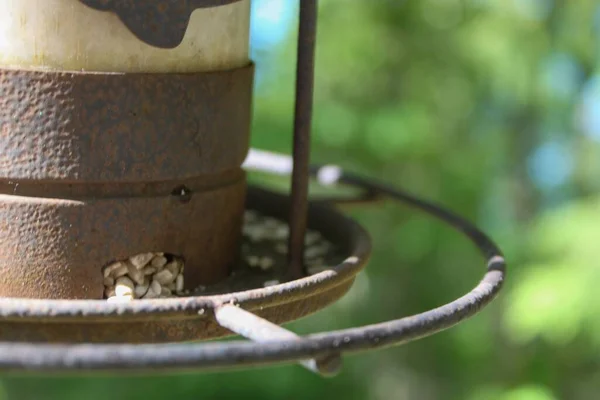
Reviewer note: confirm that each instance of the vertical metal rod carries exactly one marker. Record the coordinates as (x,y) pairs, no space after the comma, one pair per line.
(305,66)
(260,330)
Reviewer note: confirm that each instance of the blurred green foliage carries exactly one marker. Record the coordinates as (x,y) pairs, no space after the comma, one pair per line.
(453,100)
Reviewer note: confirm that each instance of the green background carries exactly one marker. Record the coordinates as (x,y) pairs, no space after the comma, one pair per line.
(490,107)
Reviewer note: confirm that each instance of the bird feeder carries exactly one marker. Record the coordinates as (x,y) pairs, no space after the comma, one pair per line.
(127,227)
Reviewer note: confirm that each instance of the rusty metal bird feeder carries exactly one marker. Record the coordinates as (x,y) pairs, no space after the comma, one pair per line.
(99,167)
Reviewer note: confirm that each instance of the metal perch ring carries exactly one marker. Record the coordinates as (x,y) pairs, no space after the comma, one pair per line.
(284,347)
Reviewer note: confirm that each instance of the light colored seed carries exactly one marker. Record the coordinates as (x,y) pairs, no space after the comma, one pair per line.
(141,260)
(106,271)
(141,290)
(135,274)
(137,277)
(173,267)
(125,281)
(250,216)
(166,292)
(118,272)
(156,287)
(259,236)
(149,270)
(110,268)
(266,263)
(179,283)
(164,277)
(315,251)
(109,291)
(109,281)
(124,286)
(281,232)
(281,248)
(120,299)
(253,261)
(252,237)
(121,290)
(312,237)
(150,294)
(271,222)
(170,286)
(256,234)
(271,283)
(159,262)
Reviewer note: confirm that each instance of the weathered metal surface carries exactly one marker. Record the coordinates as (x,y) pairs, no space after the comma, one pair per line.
(307,36)
(240,354)
(123,128)
(260,330)
(100,166)
(191,318)
(176,329)
(160,23)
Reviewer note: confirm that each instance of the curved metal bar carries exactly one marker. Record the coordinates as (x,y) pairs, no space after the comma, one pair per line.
(237,354)
(257,329)
(280,164)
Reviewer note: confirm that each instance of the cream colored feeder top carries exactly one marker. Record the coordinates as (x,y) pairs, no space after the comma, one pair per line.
(67,35)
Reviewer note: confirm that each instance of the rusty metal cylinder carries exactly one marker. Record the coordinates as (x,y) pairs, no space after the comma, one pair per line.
(96,167)
(100,166)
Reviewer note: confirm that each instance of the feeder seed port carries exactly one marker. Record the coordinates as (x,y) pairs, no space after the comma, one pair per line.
(158,275)
(144,276)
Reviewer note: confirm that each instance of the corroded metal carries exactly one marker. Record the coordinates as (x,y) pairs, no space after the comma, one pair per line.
(160,23)
(260,330)
(100,166)
(307,35)
(239,354)
(168,320)
(191,318)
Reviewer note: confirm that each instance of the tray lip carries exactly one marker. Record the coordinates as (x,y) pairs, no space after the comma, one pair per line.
(351,235)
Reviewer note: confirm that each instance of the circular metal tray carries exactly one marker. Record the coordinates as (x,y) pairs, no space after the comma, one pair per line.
(207,316)
(191,318)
